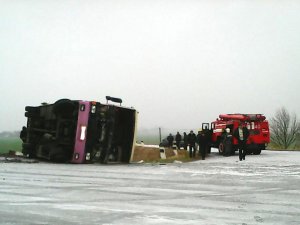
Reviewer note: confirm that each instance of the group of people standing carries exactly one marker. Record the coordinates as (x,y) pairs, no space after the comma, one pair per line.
(191,141)
(202,140)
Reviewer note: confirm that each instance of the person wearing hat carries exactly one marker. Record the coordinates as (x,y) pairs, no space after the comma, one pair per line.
(191,143)
(241,134)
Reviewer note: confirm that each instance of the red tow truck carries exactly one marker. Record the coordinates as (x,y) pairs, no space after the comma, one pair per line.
(256,123)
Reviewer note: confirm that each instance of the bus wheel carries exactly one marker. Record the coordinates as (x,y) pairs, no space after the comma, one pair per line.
(256,152)
(221,148)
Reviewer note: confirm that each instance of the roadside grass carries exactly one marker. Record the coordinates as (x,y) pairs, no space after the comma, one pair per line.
(10,143)
(295,147)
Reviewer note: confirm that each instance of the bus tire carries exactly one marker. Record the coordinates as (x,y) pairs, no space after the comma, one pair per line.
(31,114)
(63,106)
(32,109)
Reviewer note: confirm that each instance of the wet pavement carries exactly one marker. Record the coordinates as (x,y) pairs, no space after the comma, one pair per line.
(264,189)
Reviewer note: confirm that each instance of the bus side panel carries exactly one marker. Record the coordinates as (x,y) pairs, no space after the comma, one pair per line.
(81,132)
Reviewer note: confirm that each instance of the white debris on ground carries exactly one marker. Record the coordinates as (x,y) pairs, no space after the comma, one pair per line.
(147,146)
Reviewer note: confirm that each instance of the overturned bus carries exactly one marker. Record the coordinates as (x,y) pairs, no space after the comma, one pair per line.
(80,131)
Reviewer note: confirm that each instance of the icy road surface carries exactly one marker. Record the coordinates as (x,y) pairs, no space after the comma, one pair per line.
(264,189)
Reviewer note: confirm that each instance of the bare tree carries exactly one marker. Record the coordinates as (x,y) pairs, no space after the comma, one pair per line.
(284,128)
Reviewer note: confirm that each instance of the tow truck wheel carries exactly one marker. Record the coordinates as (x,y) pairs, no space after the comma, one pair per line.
(233,149)
(227,149)
(208,150)
(221,148)
(256,152)
(249,151)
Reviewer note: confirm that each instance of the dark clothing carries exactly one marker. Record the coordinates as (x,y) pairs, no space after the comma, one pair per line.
(185,141)
(170,139)
(227,142)
(191,139)
(242,151)
(242,140)
(192,150)
(208,135)
(202,141)
(178,140)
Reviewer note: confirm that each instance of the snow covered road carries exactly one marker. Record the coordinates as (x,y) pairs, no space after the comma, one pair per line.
(264,189)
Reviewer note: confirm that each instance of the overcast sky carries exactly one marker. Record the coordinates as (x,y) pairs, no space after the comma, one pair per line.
(178,62)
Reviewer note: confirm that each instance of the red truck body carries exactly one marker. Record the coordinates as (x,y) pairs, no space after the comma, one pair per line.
(256,123)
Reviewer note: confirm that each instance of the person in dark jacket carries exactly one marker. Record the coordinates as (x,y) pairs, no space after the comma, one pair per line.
(185,142)
(208,134)
(241,134)
(178,140)
(191,139)
(202,141)
(170,139)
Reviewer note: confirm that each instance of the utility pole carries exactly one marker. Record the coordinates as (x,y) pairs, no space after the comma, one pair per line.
(159,134)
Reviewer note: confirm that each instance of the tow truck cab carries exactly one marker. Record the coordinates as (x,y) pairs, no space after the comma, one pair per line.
(257,124)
